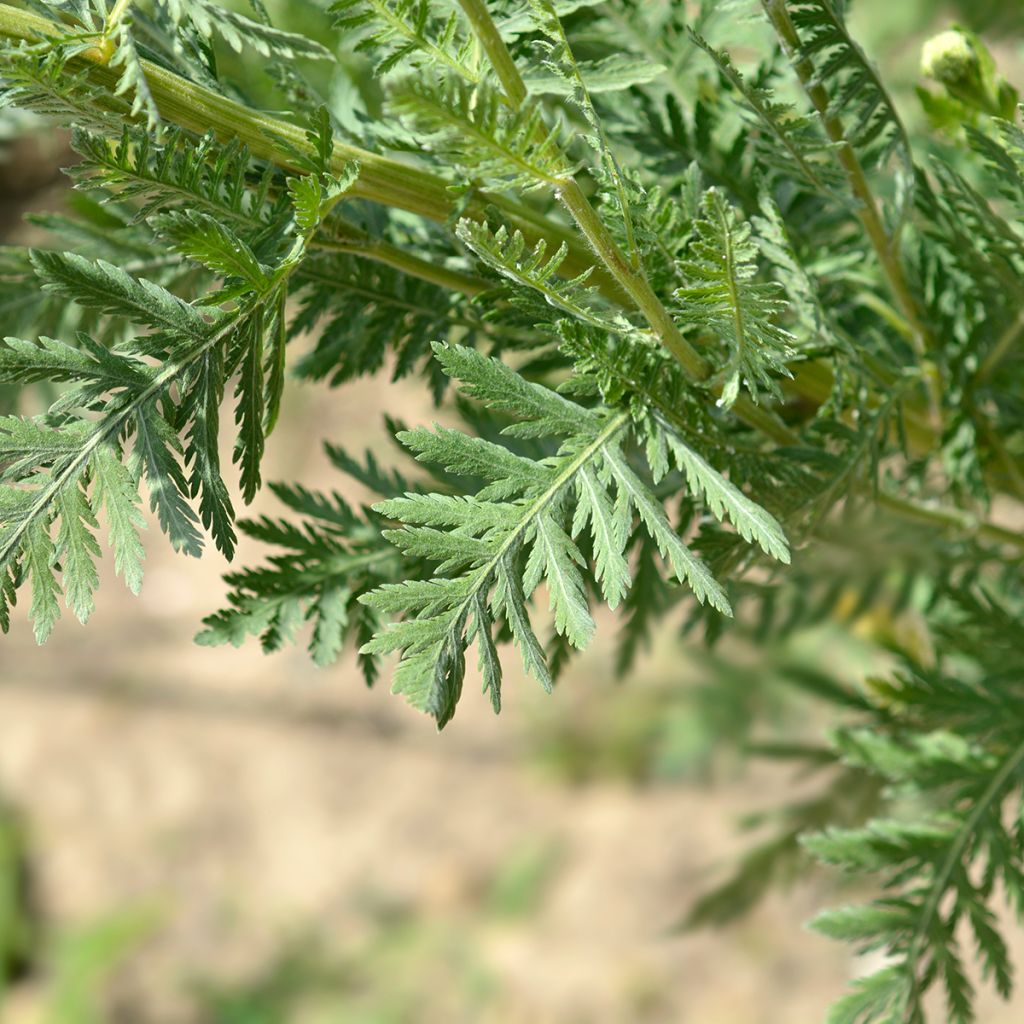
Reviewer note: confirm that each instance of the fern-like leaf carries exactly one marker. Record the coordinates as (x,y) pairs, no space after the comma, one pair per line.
(537,273)
(239,32)
(497,547)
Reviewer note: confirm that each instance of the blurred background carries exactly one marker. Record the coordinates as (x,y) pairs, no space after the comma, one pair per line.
(208,836)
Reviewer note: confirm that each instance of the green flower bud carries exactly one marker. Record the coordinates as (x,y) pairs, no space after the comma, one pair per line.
(951,58)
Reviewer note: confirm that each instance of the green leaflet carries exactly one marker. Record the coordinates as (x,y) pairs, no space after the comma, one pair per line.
(473,126)
(201,174)
(752,522)
(133,75)
(211,242)
(607,75)
(723,297)
(792,140)
(534,270)
(108,289)
(239,32)
(408,34)
(317,576)
(858,95)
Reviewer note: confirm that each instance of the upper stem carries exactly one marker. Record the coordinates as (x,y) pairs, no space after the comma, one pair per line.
(885,247)
(867,212)
(497,52)
(583,213)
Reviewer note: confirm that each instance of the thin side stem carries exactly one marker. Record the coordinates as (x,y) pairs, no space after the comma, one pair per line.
(118,11)
(950,519)
(497,52)
(378,251)
(868,212)
(633,283)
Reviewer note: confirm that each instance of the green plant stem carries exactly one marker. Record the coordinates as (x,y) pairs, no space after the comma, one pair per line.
(118,11)
(358,243)
(630,279)
(885,248)
(497,52)
(813,380)
(632,282)
(570,194)
(868,212)
(950,519)
(381,179)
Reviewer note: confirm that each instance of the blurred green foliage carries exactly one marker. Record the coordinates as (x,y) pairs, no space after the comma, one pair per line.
(19,931)
(411,968)
(83,962)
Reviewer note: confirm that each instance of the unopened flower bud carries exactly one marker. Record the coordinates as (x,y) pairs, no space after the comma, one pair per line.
(950,58)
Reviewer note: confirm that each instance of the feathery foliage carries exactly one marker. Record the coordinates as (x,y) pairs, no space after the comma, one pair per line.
(732,349)
(514,534)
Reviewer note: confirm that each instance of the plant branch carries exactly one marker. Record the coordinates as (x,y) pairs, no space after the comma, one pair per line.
(390,182)
(867,212)
(350,239)
(381,179)
(939,883)
(950,519)
(497,52)
(116,15)
(569,193)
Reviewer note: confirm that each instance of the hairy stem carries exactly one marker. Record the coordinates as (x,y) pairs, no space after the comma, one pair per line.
(497,52)
(117,12)
(358,243)
(868,212)
(630,278)
(633,283)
